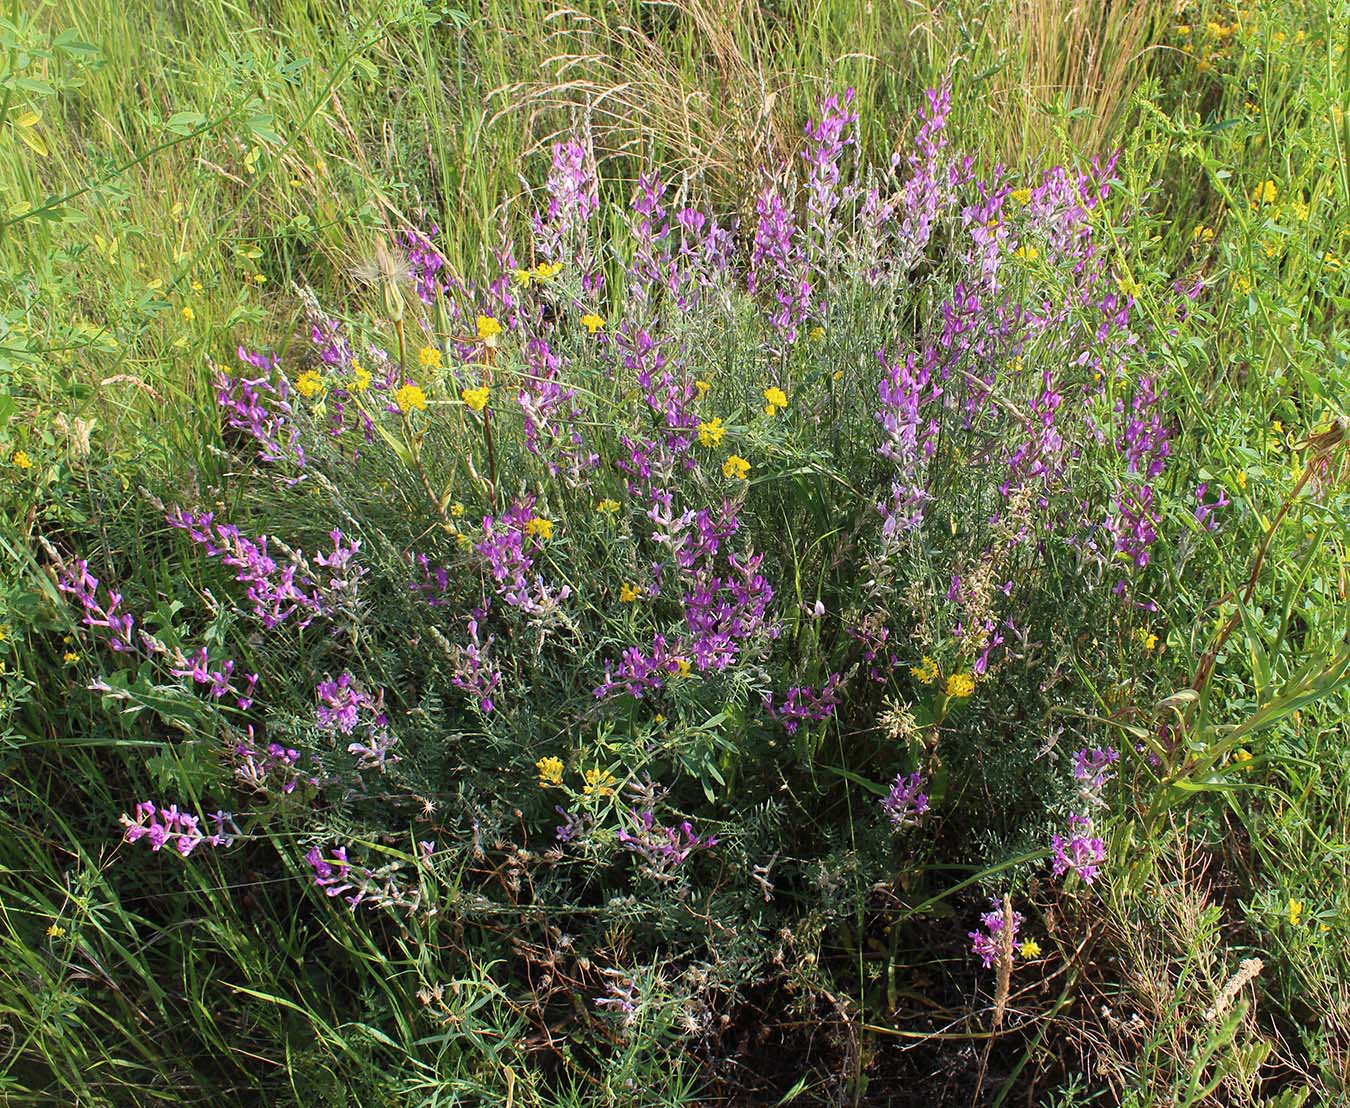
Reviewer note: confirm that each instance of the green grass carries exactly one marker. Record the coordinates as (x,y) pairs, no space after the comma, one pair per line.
(171,174)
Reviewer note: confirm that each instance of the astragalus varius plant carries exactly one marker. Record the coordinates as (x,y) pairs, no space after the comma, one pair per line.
(654,594)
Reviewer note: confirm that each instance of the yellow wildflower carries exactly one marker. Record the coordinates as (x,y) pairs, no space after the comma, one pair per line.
(629,593)
(196,286)
(1295,912)
(1241,756)
(598,783)
(736,466)
(1264,193)
(1022,196)
(1030,949)
(711,432)
(309,384)
(1300,207)
(188,314)
(776,401)
(457,509)
(259,278)
(21,460)
(703,387)
(1242,479)
(960,684)
(360,376)
(1030,253)
(926,671)
(816,333)
(523,278)
(608,506)
(70,657)
(540,527)
(1147,639)
(1202,234)
(1242,283)
(429,357)
(683,663)
(475,398)
(550,772)
(55,931)
(409,397)
(592,322)
(488,330)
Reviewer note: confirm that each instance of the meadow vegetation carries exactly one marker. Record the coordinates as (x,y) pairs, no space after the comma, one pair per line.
(631,553)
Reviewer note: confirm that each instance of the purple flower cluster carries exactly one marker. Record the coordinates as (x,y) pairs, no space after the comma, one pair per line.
(1206,510)
(260,407)
(276,591)
(386,887)
(162,827)
(827,140)
(778,265)
(986,945)
(510,552)
(473,669)
(1080,851)
(1092,768)
(663,848)
(906,802)
(805,705)
(910,427)
(276,768)
(343,706)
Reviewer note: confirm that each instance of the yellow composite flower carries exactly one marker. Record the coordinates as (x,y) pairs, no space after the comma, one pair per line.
(550,772)
(188,314)
(710,433)
(683,663)
(360,376)
(607,506)
(776,401)
(1202,234)
(736,466)
(629,593)
(20,460)
(475,398)
(1030,949)
(1022,196)
(409,397)
(592,322)
(70,657)
(540,527)
(926,671)
(960,684)
(429,357)
(309,384)
(1030,253)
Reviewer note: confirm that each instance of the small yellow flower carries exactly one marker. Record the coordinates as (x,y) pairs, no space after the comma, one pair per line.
(429,357)
(540,527)
(488,330)
(703,387)
(409,397)
(1241,756)
(711,432)
(550,772)
(1030,949)
(1147,639)
(776,401)
(607,506)
(523,278)
(592,322)
(259,278)
(188,314)
(816,333)
(475,398)
(1022,196)
(1295,912)
(926,671)
(309,384)
(838,374)
(1242,283)
(598,783)
(457,509)
(960,685)
(736,466)
(55,931)
(1264,193)
(70,657)
(629,593)
(196,286)
(683,663)
(360,376)
(1242,479)
(545,271)
(1030,253)
(1202,234)
(1300,208)
(20,460)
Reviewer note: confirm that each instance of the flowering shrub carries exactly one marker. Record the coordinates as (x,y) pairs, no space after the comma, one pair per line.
(627,571)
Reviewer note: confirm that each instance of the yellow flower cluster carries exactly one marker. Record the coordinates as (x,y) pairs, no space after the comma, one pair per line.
(544,271)
(475,398)
(429,357)
(360,376)
(711,432)
(776,401)
(607,506)
(926,671)
(629,593)
(309,384)
(410,397)
(1264,193)
(1022,196)
(550,772)
(539,527)
(736,466)
(488,329)
(598,783)
(592,322)
(960,684)
(20,460)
